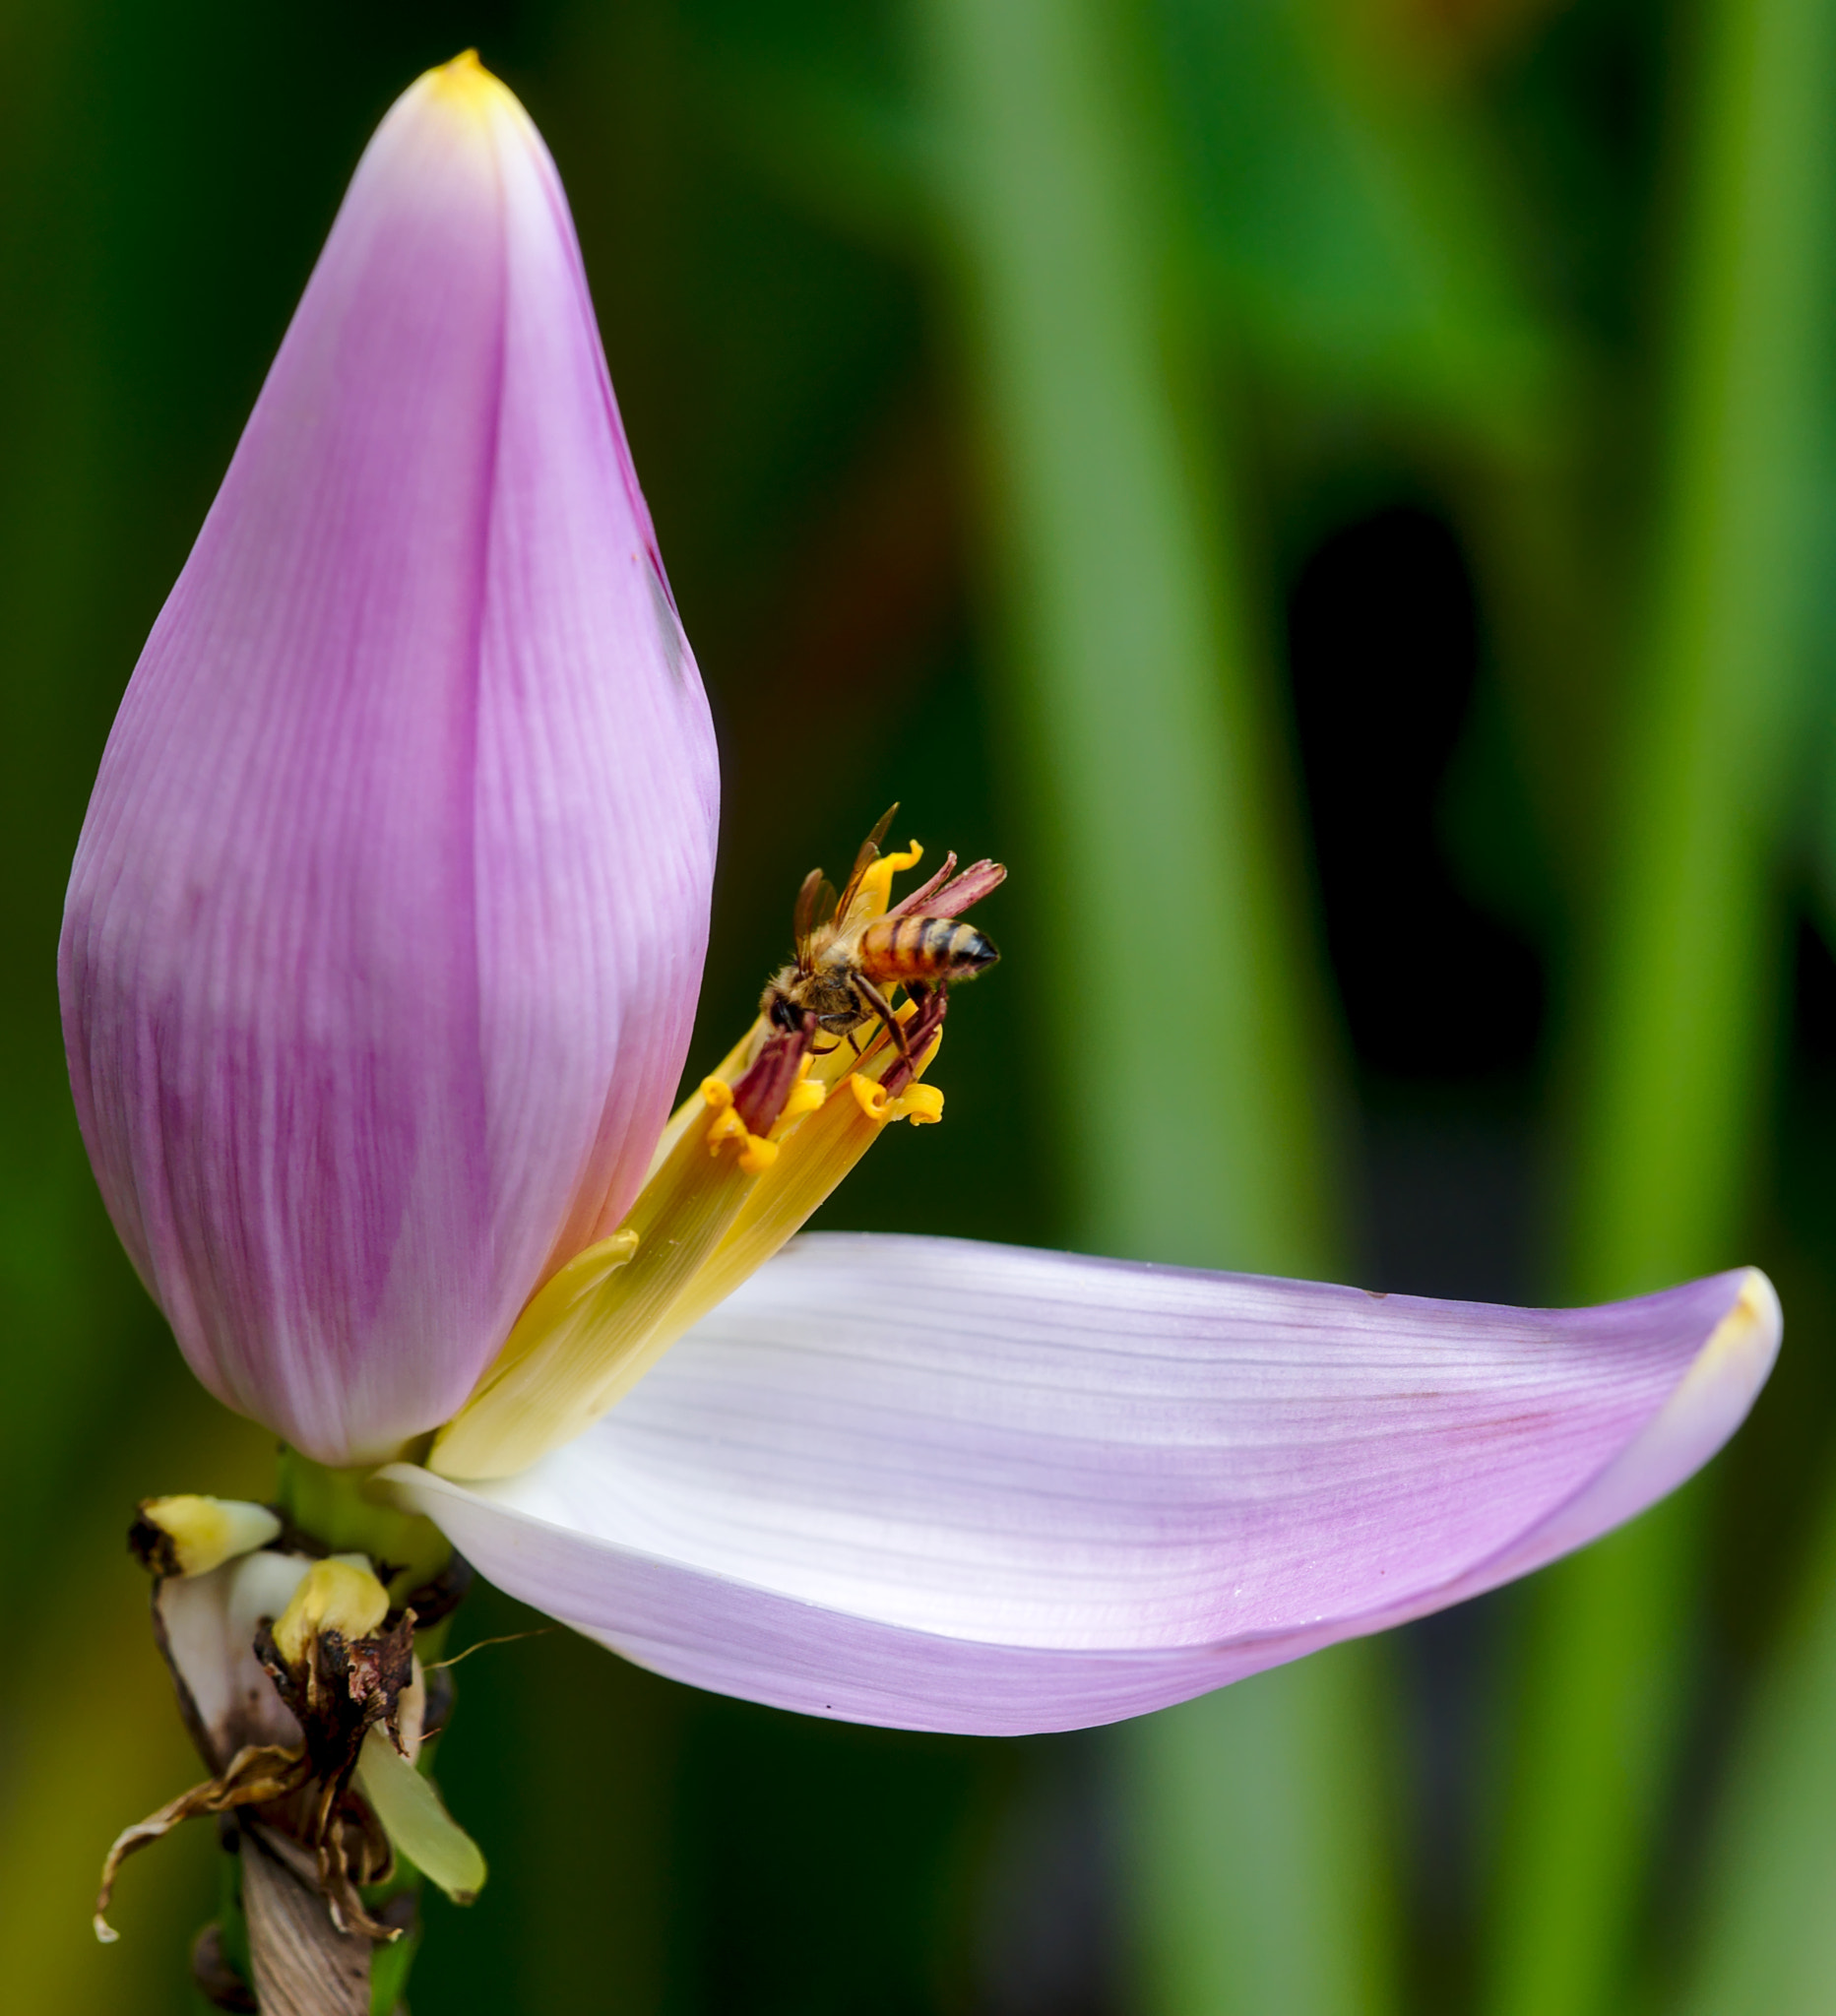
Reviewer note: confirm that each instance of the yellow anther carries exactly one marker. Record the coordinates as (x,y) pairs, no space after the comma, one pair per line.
(867,1095)
(726,1125)
(922,1104)
(805,1097)
(876,885)
(755,1153)
(702,1224)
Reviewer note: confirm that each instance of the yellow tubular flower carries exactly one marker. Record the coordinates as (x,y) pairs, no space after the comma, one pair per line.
(719,1201)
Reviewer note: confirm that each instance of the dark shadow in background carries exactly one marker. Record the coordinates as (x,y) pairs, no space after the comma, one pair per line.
(1445,1002)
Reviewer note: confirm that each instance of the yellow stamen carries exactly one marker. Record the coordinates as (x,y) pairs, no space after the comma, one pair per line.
(691,1110)
(571,1357)
(821,1153)
(726,1125)
(703,1222)
(757,1152)
(805,1095)
(922,1104)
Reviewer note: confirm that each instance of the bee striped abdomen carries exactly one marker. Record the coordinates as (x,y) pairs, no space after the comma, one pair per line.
(928,950)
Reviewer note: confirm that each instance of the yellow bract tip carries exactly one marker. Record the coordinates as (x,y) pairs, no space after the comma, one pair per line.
(466,79)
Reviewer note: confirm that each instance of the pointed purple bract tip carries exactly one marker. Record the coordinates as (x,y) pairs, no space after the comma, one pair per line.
(387,917)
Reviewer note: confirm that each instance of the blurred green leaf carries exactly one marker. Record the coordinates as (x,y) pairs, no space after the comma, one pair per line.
(1766,1938)
(1688,949)
(1136,708)
(92,1739)
(852,151)
(1188,1064)
(1268,1890)
(1357,219)
(1356,225)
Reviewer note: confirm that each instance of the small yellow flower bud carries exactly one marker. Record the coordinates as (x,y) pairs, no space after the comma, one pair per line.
(188,1534)
(338,1593)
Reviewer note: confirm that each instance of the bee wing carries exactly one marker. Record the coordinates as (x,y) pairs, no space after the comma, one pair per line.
(863,860)
(815,908)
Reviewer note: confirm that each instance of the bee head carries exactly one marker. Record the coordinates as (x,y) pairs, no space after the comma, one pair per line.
(781,1011)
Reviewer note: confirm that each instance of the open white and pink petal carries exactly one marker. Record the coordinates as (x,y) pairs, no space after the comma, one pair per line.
(387,917)
(945,1485)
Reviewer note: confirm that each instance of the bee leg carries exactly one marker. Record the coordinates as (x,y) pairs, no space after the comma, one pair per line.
(883,1008)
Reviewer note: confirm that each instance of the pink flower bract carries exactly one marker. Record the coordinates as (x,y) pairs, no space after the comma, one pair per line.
(387,917)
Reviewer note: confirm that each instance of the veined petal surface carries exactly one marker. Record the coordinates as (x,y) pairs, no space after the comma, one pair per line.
(388,916)
(938,1485)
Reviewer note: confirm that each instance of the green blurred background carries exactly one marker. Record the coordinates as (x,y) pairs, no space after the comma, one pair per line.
(1339,494)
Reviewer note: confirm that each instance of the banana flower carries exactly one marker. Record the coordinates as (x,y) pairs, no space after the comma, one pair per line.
(378,970)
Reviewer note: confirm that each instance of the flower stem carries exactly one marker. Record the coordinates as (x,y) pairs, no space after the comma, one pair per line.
(335,1508)
(273,1928)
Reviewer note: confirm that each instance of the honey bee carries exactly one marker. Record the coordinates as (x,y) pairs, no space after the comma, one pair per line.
(847,967)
